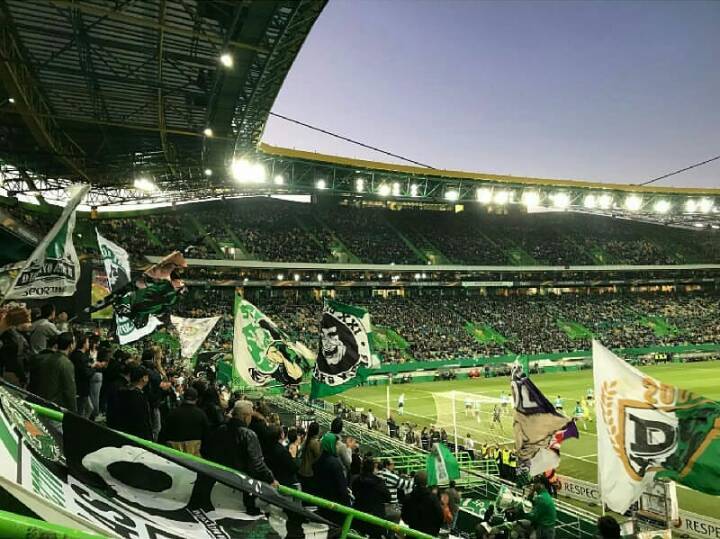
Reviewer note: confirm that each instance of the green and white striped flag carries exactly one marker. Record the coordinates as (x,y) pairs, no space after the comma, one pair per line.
(53,268)
(344,355)
(441,465)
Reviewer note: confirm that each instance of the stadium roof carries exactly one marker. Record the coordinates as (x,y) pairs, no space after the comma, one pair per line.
(157,101)
(107,91)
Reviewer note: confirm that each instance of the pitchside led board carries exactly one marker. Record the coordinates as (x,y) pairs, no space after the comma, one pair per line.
(100,288)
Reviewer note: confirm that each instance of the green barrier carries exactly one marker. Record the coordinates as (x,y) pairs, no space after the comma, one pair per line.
(14,526)
(349,512)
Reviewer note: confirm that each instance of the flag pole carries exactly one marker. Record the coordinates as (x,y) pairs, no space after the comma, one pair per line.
(454,414)
(387,395)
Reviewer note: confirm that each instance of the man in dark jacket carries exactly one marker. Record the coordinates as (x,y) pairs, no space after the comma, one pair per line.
(422,510)
(80,358)
(278,458)
(234,445)
(185,426)
(371,495)
(14,348)
(133,411)
(52,374)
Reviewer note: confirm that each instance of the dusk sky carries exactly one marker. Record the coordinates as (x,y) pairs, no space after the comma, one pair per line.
(607,91)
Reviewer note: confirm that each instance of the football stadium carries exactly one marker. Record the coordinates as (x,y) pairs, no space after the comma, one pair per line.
(203,334)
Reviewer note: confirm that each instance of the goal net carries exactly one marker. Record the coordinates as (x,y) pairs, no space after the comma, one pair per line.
(468,409)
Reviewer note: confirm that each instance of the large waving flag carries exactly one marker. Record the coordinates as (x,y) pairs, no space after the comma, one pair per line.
(96,479)
(344,355)
(647,430)
(117,267)
(192,332)
(538,427)
(441,465)
(262,351)
(53,268)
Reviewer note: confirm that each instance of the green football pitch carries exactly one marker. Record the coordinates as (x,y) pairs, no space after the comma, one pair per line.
(579,457)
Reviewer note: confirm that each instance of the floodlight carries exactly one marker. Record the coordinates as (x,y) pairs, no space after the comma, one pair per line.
(605,202)
(296,277)
(690,205)
(413,190)
(226,59)
(11,100)
(705,205)
(280,276)
(590,202)
(560,200)
(699,225)
(320,184)
(208,132)
(452,195)
(384,190)
(360,185)
(319,277)
(143,184)
(244,171)
(662,206)
(208,172)
(396,189)
(484,195)
(633,202)
(417,276)
(279,180)
(501,197)
(531,199)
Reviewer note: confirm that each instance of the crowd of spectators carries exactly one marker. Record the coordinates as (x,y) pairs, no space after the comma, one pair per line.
(282,231)
(435,324)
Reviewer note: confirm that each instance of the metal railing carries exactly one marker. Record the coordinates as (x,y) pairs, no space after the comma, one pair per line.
(21,527)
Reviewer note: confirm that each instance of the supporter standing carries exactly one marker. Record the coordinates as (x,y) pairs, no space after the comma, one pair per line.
(543,516)
(421,510)
(330,479)
(234,445)
(14,348)
(279,459)
(186,426)
(371,494)
(608,528)
(133,411)
(57,374)
(396,485)
(343,451)
(308,456)
(83,373)
(42,328)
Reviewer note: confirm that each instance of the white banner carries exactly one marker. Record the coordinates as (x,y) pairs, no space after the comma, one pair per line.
(117,268)
(53,268)
(578,489)
(700,526)
(192,332)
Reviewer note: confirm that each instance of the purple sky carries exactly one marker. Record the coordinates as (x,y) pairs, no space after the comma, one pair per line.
(609,91)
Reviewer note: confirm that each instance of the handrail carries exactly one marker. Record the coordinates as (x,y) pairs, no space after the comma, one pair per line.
(13,526)
(349,512)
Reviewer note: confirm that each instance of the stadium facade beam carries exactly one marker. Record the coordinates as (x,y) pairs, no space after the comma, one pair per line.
(151,24)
